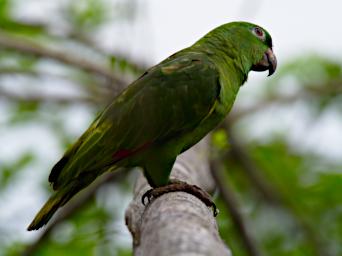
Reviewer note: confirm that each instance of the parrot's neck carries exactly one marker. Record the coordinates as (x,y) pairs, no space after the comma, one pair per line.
(230,61)
(233,66)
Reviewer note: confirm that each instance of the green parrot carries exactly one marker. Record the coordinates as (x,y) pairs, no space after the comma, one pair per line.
(164,112)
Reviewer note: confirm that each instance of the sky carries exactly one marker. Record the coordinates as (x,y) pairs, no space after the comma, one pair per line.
(296,26)
(164,27)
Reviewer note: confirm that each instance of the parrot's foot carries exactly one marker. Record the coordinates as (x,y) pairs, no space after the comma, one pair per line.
(177,185)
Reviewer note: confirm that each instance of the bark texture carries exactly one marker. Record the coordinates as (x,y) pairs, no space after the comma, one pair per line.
(177,223)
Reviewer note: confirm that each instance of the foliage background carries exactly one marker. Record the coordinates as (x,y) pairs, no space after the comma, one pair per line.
(62,61)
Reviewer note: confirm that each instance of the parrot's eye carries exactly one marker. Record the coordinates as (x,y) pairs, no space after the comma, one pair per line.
(259,33)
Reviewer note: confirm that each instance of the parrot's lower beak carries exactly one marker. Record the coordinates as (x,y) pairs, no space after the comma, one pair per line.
(268,62)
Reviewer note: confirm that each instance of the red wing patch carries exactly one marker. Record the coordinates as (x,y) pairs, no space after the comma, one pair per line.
(124,153)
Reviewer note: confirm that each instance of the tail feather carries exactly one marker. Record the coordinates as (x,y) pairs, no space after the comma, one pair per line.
(51,206)
(56,170)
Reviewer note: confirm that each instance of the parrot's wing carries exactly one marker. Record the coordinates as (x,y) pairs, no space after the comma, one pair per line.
(167,101)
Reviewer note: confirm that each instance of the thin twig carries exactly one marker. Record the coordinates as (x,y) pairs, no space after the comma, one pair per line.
(270,193)
(249,167)
(4,71)
(39,98)
(236,115)
(230,201)
(97,88)
(78,38)
(29,47)
(309,91)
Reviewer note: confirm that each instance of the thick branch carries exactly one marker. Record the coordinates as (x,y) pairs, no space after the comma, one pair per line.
(177,223)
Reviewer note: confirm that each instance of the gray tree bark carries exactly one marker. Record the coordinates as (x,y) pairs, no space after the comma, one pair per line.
(177,223)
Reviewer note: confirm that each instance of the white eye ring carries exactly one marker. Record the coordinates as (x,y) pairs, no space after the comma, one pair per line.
(259,33)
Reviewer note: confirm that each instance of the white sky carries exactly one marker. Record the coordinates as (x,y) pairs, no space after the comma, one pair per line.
(296,26)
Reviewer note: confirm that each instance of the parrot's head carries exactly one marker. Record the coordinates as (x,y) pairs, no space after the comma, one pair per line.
(248,44)
(255,44)
(262,41)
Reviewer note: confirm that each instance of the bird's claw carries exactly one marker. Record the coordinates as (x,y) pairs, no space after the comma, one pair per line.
(216,211)
(148,195)
(176,185)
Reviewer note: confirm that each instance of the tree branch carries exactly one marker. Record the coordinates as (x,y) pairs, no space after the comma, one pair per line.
(308,91)
(270,193)
(79,38)
(29,47)
(38,98)
(177,223)
(232,205)
(250,169)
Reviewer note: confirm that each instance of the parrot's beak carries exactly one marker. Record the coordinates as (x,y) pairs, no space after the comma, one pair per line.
(268,62)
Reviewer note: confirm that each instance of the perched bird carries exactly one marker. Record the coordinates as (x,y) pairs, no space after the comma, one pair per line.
(164,112)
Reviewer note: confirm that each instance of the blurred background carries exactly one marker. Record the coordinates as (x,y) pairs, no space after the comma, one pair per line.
(62,61)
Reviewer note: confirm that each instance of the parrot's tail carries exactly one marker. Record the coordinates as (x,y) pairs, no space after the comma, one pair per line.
(52,205)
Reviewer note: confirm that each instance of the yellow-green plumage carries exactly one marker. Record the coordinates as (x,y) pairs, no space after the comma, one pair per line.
(163,113)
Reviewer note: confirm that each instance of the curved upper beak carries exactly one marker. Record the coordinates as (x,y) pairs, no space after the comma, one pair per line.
(268,62)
